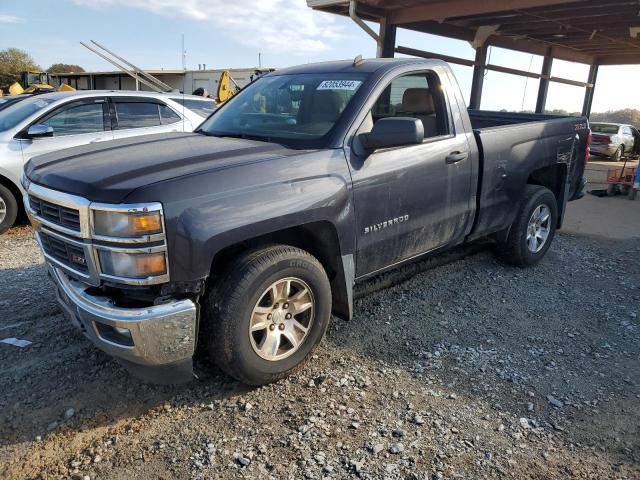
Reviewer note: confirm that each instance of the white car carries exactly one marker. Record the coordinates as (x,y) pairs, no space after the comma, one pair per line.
(54,121)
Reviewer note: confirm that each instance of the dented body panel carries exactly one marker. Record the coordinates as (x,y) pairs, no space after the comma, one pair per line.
(358,213)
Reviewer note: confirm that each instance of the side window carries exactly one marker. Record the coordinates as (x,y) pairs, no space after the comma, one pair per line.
(203,107)
(136,114)
(415,95)
(76,120)
(168,116)
(626,131)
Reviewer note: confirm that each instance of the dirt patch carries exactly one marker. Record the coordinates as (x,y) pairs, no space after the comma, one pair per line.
(473,369)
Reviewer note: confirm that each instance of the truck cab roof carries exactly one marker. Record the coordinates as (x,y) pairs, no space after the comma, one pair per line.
(367,65)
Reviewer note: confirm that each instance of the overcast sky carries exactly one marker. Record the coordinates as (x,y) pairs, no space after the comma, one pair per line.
(231,33)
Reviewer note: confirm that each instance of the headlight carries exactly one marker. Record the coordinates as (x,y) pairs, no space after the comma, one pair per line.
(132,265)
(126,224)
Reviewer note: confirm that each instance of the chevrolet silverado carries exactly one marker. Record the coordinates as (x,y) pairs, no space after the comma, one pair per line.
(245,236)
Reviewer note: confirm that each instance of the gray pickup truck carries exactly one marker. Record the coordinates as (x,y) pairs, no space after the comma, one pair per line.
(245,236)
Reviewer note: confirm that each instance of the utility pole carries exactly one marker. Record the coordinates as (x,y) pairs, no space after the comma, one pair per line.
(259,60)
(184,55)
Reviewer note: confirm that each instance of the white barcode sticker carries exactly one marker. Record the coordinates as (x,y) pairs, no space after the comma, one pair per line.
(339,85)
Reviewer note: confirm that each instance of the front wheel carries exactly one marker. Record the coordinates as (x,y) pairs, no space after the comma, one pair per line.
(264,318)
(533,229)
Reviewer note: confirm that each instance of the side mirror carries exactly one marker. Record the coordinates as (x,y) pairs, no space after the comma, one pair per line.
(39,131)
(393,132)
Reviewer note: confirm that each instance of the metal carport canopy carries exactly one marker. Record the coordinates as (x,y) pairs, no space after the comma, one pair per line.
(587,31)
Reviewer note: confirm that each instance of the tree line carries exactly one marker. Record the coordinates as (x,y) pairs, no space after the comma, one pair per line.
(14,61)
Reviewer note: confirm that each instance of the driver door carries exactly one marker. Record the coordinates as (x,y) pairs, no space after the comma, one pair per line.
(76,123)
(414,198)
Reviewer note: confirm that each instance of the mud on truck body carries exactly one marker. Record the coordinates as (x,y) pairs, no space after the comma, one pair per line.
(245,236)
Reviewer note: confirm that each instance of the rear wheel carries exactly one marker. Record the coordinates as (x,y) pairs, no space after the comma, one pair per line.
(533,229)
(618,155)
(264,318)
(8,209)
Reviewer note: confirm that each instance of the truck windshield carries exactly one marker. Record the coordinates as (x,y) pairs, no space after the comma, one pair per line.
(16,113)
(604,128)
(295,110)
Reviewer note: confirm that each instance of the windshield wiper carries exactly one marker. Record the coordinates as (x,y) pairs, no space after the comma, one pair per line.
(244,136)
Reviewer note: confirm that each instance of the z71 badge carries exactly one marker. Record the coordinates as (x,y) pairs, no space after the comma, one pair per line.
(386,224)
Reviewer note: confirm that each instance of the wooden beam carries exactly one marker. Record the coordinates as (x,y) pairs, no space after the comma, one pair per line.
(477,83)
(425,54)
(588,94)
(512,71)
(442,29)
(567,81)
(568,11)
(443,9)
(543,87)
(618,59)
(540,48)
(387,39)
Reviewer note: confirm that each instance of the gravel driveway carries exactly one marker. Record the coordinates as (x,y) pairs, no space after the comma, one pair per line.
(471,369)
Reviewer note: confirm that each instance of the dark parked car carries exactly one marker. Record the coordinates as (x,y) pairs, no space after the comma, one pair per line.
(246,235)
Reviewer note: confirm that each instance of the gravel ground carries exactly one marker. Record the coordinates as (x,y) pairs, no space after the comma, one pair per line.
(471,369)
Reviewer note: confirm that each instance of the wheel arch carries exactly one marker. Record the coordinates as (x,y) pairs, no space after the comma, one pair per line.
(553,177)
(15,189)
(320,239)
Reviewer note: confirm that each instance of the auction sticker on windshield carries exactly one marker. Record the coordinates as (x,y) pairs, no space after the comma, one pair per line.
(339,85)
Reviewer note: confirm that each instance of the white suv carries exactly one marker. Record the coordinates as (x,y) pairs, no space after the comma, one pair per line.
(54,121)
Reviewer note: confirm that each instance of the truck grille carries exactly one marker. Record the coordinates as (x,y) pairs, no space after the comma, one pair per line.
(63,216)
(66,253)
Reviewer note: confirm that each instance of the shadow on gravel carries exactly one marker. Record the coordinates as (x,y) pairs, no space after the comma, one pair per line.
(496,334)
(61,382)
(556,344)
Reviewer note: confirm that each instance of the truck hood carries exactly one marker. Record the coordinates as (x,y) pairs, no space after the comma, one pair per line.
(108,172)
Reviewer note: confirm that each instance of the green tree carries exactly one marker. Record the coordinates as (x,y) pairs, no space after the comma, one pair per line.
(13,62)
(64,68)
(628,115)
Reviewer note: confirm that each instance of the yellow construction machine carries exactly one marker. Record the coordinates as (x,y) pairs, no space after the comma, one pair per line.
(228,87)
(36,83)
(17,89)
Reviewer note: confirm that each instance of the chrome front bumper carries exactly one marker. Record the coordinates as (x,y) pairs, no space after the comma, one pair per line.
(155,337)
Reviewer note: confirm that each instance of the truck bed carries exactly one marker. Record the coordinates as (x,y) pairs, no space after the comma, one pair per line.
(489,118)
(513,143)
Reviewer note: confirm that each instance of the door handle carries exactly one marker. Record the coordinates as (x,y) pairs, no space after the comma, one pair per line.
(455,157)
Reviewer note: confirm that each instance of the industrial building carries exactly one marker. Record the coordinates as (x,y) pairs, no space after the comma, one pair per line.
(183,80)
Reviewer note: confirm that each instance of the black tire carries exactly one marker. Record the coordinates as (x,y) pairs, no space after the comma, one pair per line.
(515,250)
(617,157)
(229,304)
(9,204)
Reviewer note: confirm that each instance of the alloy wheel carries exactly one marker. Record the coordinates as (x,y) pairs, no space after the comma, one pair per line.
(3,210)
(538,228)
(281,319)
